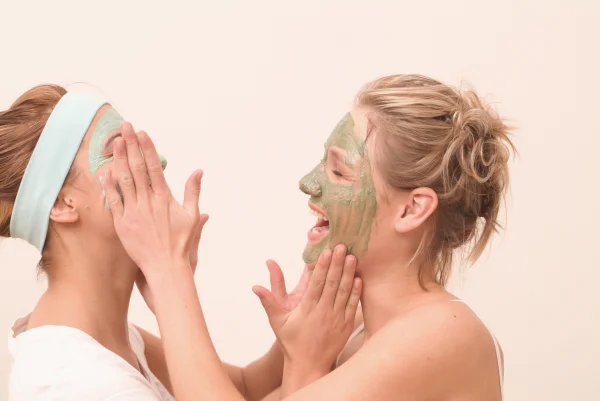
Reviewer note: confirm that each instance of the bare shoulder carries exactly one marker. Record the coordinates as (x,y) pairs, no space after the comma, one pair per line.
(448,327)
(447,343)
(440,351)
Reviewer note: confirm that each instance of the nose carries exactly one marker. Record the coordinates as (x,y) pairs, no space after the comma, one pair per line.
(310,183)
(163,161)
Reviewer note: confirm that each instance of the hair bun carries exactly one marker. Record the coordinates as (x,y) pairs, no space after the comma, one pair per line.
(480,147)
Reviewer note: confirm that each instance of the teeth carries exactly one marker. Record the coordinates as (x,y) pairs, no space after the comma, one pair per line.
(319,215)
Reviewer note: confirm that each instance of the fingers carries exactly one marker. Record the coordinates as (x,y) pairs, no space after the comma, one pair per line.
(277,280)
(317,280)
(191,197)
(122,173)
(353,300)
(113,198)
(269,302)
(153,164)
(137,165)
(346,282)
(334,274)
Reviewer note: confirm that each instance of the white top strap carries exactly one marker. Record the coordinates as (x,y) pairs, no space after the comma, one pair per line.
(356,332)
(498,354)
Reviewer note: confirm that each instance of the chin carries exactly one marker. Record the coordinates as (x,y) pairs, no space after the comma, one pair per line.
(312,251)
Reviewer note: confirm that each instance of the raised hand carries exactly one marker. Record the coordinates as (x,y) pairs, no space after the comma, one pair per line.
(156,231)
(288,301)
(315,331)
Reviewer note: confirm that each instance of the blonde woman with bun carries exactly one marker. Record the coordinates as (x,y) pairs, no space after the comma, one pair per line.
(411,179)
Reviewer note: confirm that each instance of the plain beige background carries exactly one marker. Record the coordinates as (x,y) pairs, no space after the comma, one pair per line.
(249,91)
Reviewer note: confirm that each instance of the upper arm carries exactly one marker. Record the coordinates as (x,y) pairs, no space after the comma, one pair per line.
(423,354)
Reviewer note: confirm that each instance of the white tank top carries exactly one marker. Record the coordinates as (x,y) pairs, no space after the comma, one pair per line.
(66,364)
(361,328)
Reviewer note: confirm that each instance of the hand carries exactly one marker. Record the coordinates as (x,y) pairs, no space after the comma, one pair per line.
(287,301)
(142,284)
(312,334)
(155,230)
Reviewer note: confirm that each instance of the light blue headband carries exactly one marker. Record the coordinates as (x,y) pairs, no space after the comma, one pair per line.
(50,164)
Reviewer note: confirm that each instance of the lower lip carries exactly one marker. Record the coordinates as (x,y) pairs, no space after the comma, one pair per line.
(314,237)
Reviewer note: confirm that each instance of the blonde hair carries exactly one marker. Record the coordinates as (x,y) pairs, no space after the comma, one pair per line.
(432,135)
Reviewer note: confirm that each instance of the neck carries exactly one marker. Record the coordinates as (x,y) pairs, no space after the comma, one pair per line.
(390,290)
(89,291)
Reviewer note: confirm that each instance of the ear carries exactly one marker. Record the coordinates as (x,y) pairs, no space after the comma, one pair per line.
(64,210)
(419,205)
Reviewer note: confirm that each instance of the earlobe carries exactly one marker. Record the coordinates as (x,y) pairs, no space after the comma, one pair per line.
(419,206)
(64,211)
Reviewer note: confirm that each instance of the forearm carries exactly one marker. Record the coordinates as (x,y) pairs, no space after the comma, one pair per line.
(297,376)
(254,381)
(194,368)
(264,375)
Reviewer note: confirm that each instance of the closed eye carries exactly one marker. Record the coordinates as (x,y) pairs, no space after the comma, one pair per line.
(108,151)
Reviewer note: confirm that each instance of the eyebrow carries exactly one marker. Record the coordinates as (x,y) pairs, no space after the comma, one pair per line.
(341,156)
(112,138)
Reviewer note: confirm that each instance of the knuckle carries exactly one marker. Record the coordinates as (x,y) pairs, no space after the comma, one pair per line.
(139,166)
(331,283)
(154,167)
(319,283)
(343,291)
(126,180)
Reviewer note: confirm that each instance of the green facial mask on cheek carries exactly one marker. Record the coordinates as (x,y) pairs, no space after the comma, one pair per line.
(350,206)
(110,121)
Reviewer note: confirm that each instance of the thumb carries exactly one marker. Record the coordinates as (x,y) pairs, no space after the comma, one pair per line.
(277,279)
(269,302)
(191,196)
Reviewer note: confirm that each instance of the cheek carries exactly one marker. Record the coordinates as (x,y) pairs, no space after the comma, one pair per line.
(103,169)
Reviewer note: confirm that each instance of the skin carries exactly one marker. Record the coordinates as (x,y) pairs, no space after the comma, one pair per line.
(105,131)
(342,186)
(417,344)
(91,277)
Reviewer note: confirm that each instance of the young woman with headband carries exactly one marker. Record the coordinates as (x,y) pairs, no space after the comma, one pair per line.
(416,172)
(77,344)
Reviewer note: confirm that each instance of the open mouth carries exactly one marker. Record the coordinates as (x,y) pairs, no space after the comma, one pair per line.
(321,228)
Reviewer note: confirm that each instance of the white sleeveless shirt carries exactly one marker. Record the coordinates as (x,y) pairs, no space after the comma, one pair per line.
(60,363)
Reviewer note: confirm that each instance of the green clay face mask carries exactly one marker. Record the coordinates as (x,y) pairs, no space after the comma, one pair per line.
(342,187)
(100,151)
(110,122)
